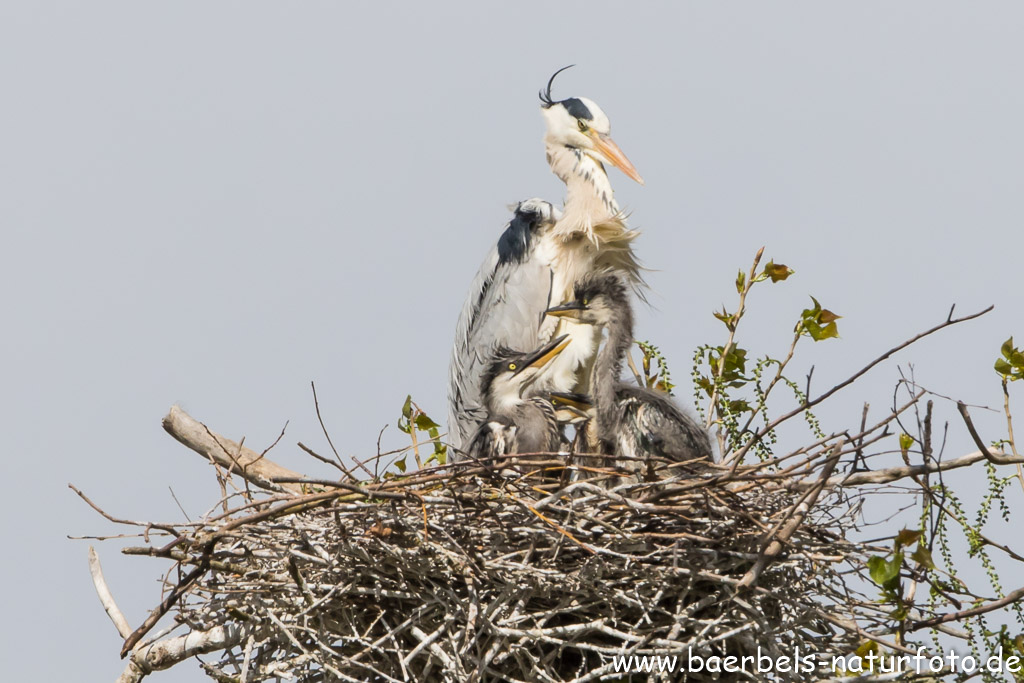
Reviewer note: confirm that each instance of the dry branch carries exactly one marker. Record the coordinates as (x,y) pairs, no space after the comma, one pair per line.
(230,455)
(106,599)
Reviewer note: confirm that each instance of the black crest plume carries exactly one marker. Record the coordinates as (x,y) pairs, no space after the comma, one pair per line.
(545,93)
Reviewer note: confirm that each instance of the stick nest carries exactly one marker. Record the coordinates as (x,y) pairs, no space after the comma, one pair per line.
(512,571)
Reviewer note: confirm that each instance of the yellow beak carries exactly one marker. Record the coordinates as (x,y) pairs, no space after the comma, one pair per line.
(578,402)
(544,354)
(544,359)
(607,147)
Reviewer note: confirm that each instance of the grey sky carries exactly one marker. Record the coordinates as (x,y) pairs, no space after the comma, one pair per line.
(213,204)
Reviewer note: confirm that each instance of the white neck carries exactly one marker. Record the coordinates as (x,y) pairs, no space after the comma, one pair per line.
(589,199)
(591,235)
(504,395)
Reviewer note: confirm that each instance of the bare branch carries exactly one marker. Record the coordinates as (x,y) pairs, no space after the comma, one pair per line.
(968,613)
(166,653)
(892,474)
(738,456)
(106,599)
(229,454)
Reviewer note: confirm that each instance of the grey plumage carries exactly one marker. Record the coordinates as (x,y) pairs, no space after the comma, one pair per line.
(514,423)
(530,427)
(504,308)
(631,420)
(649,423)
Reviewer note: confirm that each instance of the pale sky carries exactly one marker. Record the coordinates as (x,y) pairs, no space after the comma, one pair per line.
(214,204)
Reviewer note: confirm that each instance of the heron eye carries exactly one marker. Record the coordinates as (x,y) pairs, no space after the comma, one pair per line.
(586,302)
(511,366)
(583,126)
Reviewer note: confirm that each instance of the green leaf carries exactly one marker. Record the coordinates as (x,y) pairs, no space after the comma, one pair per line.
(424,423)
(818,323)
(777,271)
(883,571)
(739,406)
(741,280)
(1007,348)
(400,464)
(407,407)
(828,332)
(907,537)
(906,441)
(878,568)
(1011,365)
(1003,368)
(923,556)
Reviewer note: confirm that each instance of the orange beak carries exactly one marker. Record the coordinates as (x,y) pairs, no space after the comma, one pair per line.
(607,147)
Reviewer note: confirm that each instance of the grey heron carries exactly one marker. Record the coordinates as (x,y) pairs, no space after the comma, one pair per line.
(631,420)
(516,424)
(538,257)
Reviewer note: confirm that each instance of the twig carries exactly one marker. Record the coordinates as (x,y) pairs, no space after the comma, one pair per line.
(316,404)
(982,448)
(164,606)
(734,323)
(738,456)
(775,542)
(968,613)
(1009,431)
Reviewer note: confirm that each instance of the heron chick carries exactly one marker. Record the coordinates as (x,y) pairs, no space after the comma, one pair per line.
(631,420)
(518,424)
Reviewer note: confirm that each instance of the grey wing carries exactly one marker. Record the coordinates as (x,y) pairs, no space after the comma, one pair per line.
(504,308)
(537,428)
(660,427)
(493,438)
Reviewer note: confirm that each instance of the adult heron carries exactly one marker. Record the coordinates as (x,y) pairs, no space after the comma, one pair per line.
(631,420)
(538,257)
(516,424)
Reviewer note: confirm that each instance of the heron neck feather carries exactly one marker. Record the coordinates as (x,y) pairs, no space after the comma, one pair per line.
(591,233)
(589,199)
(609,368)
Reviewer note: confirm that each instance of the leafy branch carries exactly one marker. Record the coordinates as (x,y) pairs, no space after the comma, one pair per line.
(414,419)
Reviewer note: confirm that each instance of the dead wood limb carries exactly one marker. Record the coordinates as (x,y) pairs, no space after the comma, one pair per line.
(892,474)
(106,599)
(231,455)
(164,654)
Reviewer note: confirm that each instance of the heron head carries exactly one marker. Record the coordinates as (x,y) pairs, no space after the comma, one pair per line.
(579,123)
(511,372)
(597,299)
